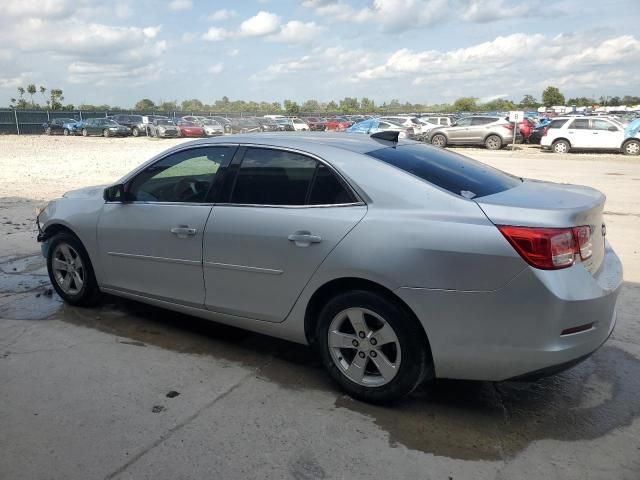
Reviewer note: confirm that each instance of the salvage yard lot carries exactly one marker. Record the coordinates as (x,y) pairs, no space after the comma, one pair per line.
(84,391)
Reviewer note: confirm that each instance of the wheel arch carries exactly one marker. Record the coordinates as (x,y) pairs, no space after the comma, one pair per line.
(555,140)
(628,140)
(339,285)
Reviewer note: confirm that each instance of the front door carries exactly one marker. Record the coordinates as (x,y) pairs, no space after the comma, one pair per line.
(151,244)
(605,134)
(286,213)
(459,132)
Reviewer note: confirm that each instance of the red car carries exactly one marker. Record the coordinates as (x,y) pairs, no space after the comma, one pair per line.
(526,128)
(190,129)
(316,124)
(339,124)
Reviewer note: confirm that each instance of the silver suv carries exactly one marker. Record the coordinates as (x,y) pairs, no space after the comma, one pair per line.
(491,131)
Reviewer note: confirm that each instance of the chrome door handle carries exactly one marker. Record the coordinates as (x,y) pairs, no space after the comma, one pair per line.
(304,238)
(183,231)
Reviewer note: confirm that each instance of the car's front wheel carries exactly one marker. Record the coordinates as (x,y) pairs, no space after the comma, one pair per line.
(85,133)
(632,147)
(439,140)
(135,131)
(48,131)
(372,347)
(105,133)
(66,132)
(70,270)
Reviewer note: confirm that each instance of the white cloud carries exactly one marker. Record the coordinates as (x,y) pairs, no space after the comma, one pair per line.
(123,10)
(220,15)
(261,24)
(151,32)
(37,8)
(485,11)
(297,32)
(180,5)
(215,34)
(233,52)
(216,68)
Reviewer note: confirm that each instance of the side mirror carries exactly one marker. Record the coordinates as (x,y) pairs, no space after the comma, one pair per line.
(114,193)
(613,129)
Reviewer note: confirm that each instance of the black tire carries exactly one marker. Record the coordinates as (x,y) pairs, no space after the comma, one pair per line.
(416,358)
(105,133)
(560,146)
(493,142)
(48,131)
(66,132)
(135,131)
(89,294)
(85,133)
(439,140)
(631,147)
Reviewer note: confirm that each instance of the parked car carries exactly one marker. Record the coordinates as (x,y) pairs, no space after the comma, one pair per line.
(421,264)
(591,133)
(211,127)
(106,127)
(443,121)
(376,125)
(284,124)
(299,125)
(163,128)
(408,122)
(338,124)
(245,125)
(491,131)
(267,125)
(225,122)
(58,125)
(136,123)
(190,129)
(316,124)
(526,127)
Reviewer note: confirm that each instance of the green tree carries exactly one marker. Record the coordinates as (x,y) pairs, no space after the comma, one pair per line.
(581,101)
(291,107)
(465,104)
(31,90)
(552,96)
(168,106)
(367,105)
(331,107)
(349,105)
(56,98)
(528,102)
(43,90)
(193,105)
(145,105)
(311,106)
(499,105)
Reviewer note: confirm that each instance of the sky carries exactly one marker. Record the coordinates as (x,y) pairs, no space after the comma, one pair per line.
(421,51)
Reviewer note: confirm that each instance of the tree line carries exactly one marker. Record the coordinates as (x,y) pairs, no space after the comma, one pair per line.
(349,105)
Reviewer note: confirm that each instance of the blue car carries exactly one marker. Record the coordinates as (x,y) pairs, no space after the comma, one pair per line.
(375,125)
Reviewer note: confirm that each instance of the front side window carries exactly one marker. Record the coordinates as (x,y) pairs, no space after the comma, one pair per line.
(185,176)
(601,125)
(482,120)
(463,122)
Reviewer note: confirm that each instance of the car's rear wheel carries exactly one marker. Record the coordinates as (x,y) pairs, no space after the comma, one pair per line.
(632,147)
(105,133)
(70,270)
(135,131)
(372,347)
(66,132)
(85,133)
(48,131)
(439,140)
(560,146)
(493,142)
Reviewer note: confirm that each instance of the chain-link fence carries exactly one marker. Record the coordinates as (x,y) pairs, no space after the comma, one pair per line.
(23,122)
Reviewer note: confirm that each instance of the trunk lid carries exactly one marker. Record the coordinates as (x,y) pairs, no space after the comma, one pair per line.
(544,204)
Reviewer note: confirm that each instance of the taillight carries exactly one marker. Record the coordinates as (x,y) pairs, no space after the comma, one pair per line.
(549,248)
(508,126)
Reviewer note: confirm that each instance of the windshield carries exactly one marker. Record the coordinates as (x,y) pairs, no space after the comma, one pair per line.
(164,122)
(455,173)
(108,121)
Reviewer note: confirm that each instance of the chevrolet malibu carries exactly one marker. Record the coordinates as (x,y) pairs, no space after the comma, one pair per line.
(399,262)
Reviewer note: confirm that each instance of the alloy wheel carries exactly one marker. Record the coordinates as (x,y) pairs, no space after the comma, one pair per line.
(632,148)
(68,269)
(364,347)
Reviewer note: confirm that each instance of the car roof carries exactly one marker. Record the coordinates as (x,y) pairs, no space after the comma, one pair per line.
(307,141)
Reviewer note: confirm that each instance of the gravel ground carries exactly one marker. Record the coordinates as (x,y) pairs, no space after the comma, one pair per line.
(124,390)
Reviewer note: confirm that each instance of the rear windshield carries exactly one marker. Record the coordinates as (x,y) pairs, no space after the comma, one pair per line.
(453,172)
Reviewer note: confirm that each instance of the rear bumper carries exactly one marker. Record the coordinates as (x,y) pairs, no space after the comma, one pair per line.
(516,331)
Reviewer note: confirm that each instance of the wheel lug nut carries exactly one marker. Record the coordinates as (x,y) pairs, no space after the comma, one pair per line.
(373,354)
(373,341)
(361,334)
(355,343)
(361,354)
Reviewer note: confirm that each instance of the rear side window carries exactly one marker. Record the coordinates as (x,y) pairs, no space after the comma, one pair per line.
(580,124)
(327,189)
(557,123)
(273,177)
(455,173)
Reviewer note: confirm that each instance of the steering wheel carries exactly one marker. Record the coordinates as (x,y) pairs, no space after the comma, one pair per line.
(188,188)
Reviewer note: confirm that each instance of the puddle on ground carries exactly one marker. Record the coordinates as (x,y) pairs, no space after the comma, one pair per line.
(457,419)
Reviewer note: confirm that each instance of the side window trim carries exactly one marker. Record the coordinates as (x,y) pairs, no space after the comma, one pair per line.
(208,199)
(234,167)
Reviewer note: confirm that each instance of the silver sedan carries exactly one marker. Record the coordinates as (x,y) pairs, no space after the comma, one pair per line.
(399,262)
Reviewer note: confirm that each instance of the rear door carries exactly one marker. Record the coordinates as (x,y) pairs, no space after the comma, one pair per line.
(151,244)
(283,214)
(579,133)
(478,129)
